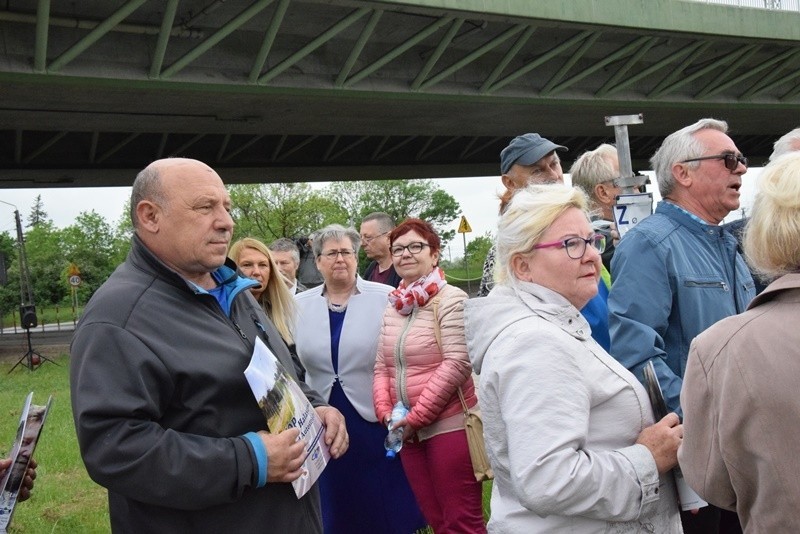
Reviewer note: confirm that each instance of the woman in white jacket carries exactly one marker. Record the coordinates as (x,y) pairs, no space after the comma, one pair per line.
(569,431)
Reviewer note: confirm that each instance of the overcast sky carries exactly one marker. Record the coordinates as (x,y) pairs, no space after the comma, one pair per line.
(477,197)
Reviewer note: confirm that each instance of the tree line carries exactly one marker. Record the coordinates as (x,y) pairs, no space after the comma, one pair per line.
(263,211)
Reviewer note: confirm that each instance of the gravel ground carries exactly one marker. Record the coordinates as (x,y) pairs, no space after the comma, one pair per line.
(50,344)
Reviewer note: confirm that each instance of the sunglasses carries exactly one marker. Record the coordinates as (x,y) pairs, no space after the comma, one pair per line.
(731,160)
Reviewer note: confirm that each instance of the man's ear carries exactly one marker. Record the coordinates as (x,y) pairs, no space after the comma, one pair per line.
(508,182)
(149,215)
(603,194)
(680,172)
(521,267)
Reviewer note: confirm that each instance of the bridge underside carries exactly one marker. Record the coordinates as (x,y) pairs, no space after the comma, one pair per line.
(284,90)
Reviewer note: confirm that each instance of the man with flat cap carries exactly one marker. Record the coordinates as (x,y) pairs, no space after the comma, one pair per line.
(532,159)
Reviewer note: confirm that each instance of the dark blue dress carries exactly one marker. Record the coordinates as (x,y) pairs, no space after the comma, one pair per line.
(363,491)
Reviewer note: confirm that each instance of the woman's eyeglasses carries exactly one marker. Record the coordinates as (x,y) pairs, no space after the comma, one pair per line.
(346,254)
(413,248)
(576,246)
(731,160)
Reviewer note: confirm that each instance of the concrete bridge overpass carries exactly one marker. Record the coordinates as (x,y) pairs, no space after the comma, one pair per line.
(281,90)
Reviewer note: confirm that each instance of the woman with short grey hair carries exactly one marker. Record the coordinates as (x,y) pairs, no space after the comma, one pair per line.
(338,325)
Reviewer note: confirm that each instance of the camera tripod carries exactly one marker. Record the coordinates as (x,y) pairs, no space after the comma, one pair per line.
(32,359)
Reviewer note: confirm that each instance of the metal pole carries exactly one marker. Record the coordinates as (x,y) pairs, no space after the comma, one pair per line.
(627,180)
(466,264)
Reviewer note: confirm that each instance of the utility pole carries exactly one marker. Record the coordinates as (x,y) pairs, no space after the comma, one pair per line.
(27,310)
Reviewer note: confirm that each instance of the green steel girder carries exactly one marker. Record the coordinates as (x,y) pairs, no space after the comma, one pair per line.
(626,67)
(95,35)
(366,33)
(163,37)
(724,81)
(400,50)
(663,87)
(510,55)
(781,63)
(587,44)
(543,58)
(712,65)
(269,39)
(360,82)
(480,51)
(437,54)
(42,23)
(214,39)
(329,34)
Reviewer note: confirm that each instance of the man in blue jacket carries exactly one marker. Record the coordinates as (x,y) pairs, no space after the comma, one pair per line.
(678,272)
(165,418)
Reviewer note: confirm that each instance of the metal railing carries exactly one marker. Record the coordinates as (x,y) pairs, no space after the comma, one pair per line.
(65,319)
(782,5)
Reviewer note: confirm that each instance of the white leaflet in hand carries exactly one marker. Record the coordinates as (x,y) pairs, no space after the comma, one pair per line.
(31,422)
(285,406)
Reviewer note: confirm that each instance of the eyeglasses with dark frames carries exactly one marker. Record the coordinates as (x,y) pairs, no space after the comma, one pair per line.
(368,240)
(333,254)
(576,246)
(731,160)
(413,248)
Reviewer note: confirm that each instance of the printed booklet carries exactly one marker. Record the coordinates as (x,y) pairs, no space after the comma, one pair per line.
(285,406)
(30,428)
(688,498)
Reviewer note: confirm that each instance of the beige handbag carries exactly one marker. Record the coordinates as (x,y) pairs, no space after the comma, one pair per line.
(473,425)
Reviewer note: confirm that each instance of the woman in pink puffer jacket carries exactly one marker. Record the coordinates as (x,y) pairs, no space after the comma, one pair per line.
(425,373)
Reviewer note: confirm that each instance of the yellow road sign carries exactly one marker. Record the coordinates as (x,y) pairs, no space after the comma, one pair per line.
(464,227)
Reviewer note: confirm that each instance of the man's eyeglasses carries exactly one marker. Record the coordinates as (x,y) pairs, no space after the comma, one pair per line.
(413,248)
(576,246)
(368,240)
(731,160)
(331,255)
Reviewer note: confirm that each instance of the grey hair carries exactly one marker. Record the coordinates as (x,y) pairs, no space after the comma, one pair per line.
(337,232)
(594,167)
(146,186)
(789,142)
(680,146)
(384,220)
(530,213)
(284,244)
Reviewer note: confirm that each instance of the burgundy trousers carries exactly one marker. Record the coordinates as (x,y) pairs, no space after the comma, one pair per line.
(439,471)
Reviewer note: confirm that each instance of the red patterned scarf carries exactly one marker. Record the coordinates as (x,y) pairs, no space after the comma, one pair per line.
(405,298)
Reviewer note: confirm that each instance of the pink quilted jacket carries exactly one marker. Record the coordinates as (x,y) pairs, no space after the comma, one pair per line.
(411,366)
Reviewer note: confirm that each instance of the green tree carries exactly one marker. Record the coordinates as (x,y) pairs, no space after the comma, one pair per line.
(92,245)
(9,292)
(44,251)
(478,247)
(37,215)
(269,211)
(399,198)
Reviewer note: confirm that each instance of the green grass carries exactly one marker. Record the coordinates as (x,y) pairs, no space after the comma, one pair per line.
(64,498)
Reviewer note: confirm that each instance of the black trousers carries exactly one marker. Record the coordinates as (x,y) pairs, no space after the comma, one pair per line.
(711,520)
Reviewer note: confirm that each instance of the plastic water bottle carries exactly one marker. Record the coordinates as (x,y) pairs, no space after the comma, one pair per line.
(394,439)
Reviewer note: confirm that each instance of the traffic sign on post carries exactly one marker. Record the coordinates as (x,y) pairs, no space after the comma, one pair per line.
(463,226)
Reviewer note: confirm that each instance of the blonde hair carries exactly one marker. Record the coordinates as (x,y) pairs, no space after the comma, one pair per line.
(530,213)
(276,300)
(772,236)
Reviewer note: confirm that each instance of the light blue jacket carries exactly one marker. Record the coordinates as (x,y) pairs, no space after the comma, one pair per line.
(673,277)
